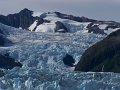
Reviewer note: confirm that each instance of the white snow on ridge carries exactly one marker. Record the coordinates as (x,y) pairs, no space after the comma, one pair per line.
(46,27)
(110,30)
(52,17)
(73,26)
(33,26)
(36,14)
(103,26)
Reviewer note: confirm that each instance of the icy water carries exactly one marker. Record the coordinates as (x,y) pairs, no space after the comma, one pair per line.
(38,80)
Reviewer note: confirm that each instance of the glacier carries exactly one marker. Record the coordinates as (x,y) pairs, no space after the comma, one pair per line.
(41,55)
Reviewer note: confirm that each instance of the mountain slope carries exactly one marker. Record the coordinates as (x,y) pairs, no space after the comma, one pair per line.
(104,56)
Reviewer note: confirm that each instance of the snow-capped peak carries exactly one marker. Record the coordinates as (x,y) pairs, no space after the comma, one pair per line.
(43,22)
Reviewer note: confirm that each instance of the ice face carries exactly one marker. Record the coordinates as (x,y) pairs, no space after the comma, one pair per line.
(41,55)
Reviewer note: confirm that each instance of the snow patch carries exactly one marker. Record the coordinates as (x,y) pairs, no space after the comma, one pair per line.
(46,27)
(103,26)
(36,14)
(60,30)
(110,30)
(32,27)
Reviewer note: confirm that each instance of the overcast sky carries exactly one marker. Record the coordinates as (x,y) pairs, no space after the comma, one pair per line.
(95,9)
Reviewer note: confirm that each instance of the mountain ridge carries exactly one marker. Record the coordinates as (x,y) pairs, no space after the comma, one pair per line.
(47,22)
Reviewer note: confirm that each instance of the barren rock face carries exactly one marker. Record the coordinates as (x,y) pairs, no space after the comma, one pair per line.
(104,56)
(6,62)
(68,60)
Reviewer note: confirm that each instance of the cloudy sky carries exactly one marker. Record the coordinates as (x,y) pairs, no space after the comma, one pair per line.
(96,9)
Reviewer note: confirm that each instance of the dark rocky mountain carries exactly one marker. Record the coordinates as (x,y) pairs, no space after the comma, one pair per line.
(104,56)
(22,19)
(25,18)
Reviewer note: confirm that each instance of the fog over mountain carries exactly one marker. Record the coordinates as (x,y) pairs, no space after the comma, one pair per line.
(97,9)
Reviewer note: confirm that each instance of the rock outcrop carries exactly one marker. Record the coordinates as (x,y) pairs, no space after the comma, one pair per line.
(6,62)
(68,60)
(60,27)
(104,56)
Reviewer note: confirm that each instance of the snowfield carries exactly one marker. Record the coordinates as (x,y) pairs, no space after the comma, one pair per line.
(43,69)
(72,26)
